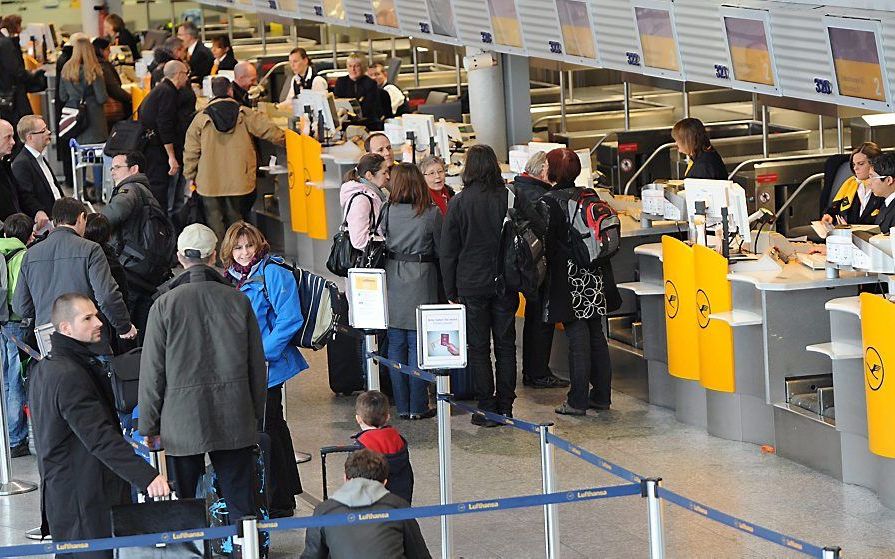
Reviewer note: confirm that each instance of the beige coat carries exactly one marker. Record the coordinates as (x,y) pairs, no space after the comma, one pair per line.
(225,163)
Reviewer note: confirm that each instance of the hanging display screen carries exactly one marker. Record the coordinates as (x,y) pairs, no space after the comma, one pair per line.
(577,33)
(505,23)
(856,61)
(749,51)
(333,9)
(385,13)
(441,16)
(657,41)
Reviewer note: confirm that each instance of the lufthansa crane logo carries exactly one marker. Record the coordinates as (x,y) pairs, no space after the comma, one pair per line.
(672,301)
(703,309)
(874,370)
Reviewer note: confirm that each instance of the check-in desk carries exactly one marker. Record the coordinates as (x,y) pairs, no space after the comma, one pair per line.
(860,348)
(720,342)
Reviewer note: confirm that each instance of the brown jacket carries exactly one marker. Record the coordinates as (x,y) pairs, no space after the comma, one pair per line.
(219,155)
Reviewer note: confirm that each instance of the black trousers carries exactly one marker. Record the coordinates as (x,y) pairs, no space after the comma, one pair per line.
(537,341)
(235,471)
(285,483)
(588,363)
(492,317)
(138,304)
(157,172)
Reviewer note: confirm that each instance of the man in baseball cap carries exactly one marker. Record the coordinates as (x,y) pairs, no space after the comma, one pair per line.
(203,379)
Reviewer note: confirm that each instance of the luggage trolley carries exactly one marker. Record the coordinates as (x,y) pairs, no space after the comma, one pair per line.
(90,156)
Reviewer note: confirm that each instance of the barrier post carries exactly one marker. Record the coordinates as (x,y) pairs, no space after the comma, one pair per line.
(548,476)
(831,552)
(8,486)
(371,366)
(443,387)
(649,488)
(247,537)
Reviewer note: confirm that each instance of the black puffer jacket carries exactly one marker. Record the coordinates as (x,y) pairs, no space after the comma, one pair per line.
(528,189)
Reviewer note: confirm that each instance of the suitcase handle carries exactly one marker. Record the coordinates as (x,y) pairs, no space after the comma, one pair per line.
(324,451)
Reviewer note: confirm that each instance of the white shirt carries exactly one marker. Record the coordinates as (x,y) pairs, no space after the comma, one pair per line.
(192,47)
(864,194)
(317,84)
(889,199)
(48,174)
(396,96)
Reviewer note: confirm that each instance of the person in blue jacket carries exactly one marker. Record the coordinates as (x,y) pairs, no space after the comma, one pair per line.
(274,296)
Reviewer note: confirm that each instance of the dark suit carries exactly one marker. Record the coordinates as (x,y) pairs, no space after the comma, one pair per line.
(9,195)
(201,62)
(159,115)
(886,218)
(14,78)
(367,92)
(228,62)
(708,165)
(853,214)
(35,193)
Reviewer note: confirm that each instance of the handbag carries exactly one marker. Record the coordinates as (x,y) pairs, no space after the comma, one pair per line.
(74,121)
(374,253)
(126,136)
(161,516)
(191,212)
(36,83)
(124,375)
(342,255)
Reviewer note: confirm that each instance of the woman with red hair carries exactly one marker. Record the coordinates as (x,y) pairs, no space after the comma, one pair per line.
(577,296)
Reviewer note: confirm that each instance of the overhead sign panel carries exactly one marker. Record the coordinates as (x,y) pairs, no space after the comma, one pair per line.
(658,39)
(854,48)
(441,17)
(505,23)
(749,45)
(577,32)
(385,13)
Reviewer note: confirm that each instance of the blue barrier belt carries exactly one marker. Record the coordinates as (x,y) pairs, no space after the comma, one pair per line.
(467,507)
(752,529)
(592,458)
(401,368)
(502,419)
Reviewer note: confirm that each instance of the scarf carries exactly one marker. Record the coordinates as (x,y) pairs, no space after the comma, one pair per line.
(245,271)
(441,198)
(381,192)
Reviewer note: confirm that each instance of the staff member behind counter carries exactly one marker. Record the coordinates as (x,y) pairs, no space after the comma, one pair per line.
(357,85)
(693,141)
(855,202)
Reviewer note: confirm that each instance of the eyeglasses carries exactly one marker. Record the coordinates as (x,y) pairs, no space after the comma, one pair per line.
(39,132)
(880,177)
(439,172)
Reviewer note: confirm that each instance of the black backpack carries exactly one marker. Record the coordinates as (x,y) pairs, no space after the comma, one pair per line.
(521,257)
(151,256)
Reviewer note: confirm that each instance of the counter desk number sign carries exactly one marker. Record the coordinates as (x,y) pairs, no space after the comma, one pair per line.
(441,336)
(367,299)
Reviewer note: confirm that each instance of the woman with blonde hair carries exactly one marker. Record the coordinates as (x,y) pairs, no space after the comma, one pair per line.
(82,79)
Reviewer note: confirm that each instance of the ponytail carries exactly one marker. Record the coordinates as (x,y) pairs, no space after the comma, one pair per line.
(370,162)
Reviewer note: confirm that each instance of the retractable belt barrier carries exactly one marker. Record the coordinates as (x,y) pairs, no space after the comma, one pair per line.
(641,482)
(372,517)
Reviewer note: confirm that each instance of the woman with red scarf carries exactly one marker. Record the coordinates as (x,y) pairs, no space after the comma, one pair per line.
(433,170)
(271,289)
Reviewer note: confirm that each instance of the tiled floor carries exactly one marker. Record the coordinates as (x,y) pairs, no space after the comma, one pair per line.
(734,477)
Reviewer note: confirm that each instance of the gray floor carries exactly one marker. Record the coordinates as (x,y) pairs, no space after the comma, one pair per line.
(734,477)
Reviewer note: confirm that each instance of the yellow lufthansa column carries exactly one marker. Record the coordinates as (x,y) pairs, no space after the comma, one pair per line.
(682,330)
(716,366)
(315,200)
(297,198)
(877,317)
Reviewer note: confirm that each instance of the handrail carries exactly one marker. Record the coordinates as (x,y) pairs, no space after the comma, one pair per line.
(778,158)
(600,141)
(652,156)
(806,182)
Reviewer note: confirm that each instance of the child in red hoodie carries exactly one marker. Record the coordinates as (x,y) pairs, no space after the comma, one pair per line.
(372,415)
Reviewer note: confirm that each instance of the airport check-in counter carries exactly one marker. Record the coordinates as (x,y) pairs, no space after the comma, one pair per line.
(730,339)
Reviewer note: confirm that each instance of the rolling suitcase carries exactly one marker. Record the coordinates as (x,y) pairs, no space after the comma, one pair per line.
(344,353)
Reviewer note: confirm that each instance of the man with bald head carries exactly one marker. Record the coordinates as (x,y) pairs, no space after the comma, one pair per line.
(9,196)
(161,116)
(245,76)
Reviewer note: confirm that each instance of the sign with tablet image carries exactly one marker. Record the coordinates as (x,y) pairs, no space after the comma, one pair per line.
(577,33)
(750,54)
(657,40)
(856,61)
(441,336)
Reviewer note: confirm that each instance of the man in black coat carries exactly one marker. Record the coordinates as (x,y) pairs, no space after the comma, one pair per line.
(357,85)
(14,79)
(882,183)
(160,115)
(85,464)
(199,56)
(9,196)
(245,77)
(38,187)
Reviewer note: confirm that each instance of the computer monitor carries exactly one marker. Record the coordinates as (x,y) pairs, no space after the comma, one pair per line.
(40,31)
(319,102)
(153,38)
(719,194)
(423,127)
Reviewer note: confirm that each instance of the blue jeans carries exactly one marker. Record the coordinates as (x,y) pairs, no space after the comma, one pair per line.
(411,394)
(13,385)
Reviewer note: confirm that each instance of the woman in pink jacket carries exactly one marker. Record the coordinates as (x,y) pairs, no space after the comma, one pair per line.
(366,184)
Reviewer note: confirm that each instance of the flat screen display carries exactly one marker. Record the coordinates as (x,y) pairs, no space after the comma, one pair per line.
(856,61)
(441,16)
(749,52)
(657,38)
(385,14)
(333,9)
(577,33)
(505,23)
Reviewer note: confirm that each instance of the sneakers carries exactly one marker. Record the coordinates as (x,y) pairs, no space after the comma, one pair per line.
(482,421)
(566,409)
(19,450)
(550,381)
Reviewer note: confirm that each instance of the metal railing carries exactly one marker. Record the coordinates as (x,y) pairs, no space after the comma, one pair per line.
(646,163)
(806,182)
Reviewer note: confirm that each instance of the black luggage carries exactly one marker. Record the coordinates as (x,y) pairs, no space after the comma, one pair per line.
(344,353)
(326,451)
